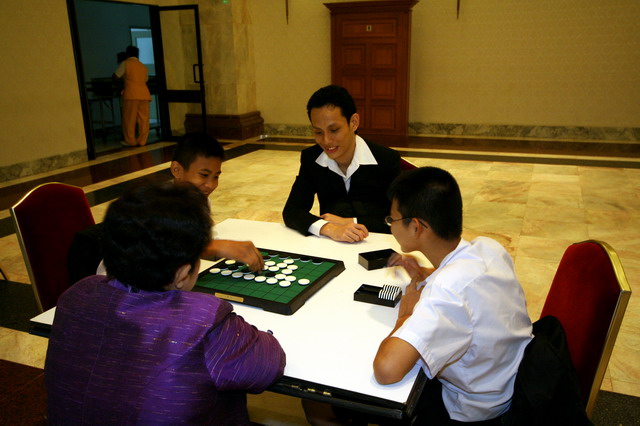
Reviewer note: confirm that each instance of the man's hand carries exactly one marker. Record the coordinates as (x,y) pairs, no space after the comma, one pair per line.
(408,301)
(350,232)
(242,251)
(410,264)
(396,357)
(338,220)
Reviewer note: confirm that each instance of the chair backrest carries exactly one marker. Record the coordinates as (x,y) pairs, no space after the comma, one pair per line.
(589,296)
(406,164)
(46,220)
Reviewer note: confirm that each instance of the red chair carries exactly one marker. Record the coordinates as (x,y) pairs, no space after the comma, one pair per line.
(589,296)
(46,220)
(406,165)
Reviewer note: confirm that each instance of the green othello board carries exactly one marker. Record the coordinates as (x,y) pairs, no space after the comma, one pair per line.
(287,281)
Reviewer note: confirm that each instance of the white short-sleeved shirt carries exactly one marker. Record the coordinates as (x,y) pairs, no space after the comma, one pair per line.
(471,327)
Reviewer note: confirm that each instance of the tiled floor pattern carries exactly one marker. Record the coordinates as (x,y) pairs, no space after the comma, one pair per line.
(535,210)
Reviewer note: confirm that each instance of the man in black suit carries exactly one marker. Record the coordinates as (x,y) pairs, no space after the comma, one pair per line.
(350,176)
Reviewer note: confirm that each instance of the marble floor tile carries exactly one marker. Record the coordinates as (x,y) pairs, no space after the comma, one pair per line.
(555,178)
(23,348)
(555,170)
(550,208)
(275,410)
(534,210)
(556,230)
(550,249)
(536,276)
(504,191)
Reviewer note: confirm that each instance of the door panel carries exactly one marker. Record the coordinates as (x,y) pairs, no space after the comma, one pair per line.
(182,89)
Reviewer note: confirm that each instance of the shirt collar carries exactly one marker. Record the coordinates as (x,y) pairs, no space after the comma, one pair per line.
(362,155)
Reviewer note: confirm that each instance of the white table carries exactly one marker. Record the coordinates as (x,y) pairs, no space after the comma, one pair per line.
(331,341)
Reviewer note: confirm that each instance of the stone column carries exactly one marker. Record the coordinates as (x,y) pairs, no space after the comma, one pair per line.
(229,70)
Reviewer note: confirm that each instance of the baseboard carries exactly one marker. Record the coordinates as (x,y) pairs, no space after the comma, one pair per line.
(228,126)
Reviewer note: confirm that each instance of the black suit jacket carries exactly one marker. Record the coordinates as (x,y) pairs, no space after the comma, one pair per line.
(366,200)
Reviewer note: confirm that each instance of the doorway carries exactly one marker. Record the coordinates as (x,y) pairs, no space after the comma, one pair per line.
(100,31)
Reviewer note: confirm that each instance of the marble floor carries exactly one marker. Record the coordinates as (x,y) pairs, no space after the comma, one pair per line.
(533,208)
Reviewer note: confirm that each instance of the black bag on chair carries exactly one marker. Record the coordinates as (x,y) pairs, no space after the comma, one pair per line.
(546,390)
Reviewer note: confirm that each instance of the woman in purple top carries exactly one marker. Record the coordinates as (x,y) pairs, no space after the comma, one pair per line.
(136,346)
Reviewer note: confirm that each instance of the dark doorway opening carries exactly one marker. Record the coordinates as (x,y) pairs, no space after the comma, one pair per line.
(102,29)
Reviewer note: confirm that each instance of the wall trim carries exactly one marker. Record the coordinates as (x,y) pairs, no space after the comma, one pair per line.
(553,133)
(42,165)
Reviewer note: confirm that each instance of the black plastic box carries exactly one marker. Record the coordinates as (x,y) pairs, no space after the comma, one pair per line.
(375,259)
(371,294)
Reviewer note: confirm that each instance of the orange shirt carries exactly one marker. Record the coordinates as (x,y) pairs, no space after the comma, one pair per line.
(135,81)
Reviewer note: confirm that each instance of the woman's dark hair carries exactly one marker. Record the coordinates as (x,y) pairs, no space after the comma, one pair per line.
(333,95)
(153,230)
(431,194)
(192,145)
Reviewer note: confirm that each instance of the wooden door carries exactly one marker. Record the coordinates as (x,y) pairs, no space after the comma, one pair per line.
(370,45)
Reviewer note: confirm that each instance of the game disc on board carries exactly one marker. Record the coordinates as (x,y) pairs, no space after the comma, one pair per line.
(274,268)
(304,258)
(215,270)
(237,274)
(269,263)
(260,279)
(288,261)
(230,262)
(303,281)
(292,267)
(280,276)
(316,261)
(249,277)
(225,272)
(290,278)
(281,265)
(284,283)
(271,281)
(286,271)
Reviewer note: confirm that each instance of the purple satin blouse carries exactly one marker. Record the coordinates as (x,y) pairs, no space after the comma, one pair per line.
(123,356)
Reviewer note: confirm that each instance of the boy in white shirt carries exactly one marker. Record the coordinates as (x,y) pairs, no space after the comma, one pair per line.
(465,322)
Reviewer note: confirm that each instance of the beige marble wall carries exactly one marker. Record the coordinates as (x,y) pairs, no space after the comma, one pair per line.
(40,116)
(293,58)
(528,62)
(551,65)
(546,68)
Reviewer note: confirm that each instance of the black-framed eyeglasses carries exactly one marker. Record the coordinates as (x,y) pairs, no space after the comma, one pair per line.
(389,220)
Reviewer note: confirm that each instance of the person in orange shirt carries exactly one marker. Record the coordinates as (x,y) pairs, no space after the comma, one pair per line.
(136,98)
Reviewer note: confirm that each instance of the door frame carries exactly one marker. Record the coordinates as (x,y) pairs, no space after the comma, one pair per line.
(164,96)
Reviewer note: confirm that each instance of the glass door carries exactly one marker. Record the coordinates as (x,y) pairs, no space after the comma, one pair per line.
(181,86)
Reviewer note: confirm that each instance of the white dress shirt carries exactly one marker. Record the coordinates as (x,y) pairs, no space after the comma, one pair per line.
(361,156)
(471,327)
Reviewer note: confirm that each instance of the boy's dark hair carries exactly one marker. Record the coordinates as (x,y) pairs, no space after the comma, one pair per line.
(132,51)
(192,145)
(431,194)
(153,230)
(333,95)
